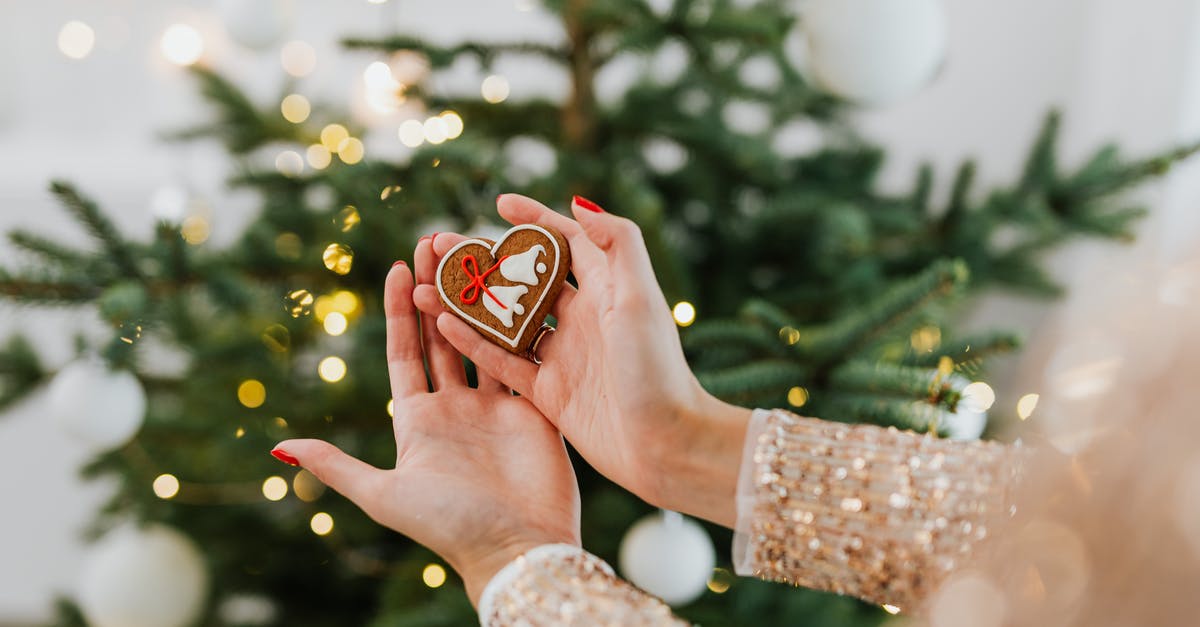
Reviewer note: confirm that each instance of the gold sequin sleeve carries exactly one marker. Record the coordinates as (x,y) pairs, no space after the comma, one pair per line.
(872,512)
(563,585)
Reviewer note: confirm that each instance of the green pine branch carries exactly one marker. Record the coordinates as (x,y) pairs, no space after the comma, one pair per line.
(87,213)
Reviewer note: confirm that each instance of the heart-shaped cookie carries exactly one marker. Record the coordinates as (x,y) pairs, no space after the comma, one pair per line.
(504,289)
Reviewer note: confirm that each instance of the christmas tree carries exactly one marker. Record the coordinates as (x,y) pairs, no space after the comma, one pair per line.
(808,288)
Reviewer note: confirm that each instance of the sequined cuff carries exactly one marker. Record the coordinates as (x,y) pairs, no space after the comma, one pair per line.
(560,584)
(876,513)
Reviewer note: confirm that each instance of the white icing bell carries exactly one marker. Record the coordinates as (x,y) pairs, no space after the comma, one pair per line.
(508,295)
(520,268)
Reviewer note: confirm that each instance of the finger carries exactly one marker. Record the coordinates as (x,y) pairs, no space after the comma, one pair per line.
(488,384)
(514,372)
(352,477)
(632,275)
(587,261)
(406,368)
(443,242)
(445,364)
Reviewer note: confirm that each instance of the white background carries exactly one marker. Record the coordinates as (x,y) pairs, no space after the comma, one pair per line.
(1120,70)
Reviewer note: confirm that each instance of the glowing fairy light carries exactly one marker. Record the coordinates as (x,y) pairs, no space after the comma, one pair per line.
(789,336)
(684,313)
(332,369)
(978,396)
(181,44)
(295,108)
(433,575)
(435,130)
(275,488)
(338,258)
(412,133)
(298,58)
(797,396)
(299,303)
(318,156)
(391,408)
(321,524)
(350,150)
(76,39)
(454,124)
(252,393)
(333,135)
(335,324)
(890,609)
(1026,405)
(165,486)
(289,163)
(494,89)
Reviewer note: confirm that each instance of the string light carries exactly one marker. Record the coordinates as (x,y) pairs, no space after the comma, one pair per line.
(494,89)
(321,524)
(319,156)
(1026,405)
(684,313)
(333,135)
(797,396)
(454,124)
(335,324)
(350,150)
(252,393)
(275,488)
(165,486)
(412,133)
(182,45)
(338,258)
(289,163)
(295,108)
(298,58)
(332,369)
(76,39)
(433,575)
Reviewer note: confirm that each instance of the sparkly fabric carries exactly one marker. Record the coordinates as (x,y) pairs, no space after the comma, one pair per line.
(562,585)
(876,513)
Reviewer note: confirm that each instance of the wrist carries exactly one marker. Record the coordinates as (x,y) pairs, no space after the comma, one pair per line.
(700,470)
(479,569)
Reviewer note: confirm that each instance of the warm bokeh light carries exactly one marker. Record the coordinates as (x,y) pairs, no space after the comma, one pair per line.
(298,58)
(288,245)
(295,108)
(76,39)
(1026,405)
(166,486)
(181,44)
(391,408)
(345,301)
(321,524)
(319,156)
(978,396)
(454,124)
(925,339)
(890,609)
(684,313)
(332,369)
(275,488)
(307,487)
(720,581)
(412,133)
(335,324)
(333,135)
(289,163)
(252,393)
(433,575)
(435,130)
(239,432)
(789,336)
(797,396)
(494,89)
(338,258)
(350,150)
(347,218)
(194,230)
(299,303)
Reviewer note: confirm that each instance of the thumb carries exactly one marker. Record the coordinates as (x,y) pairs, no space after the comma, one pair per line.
(352,477)
(622,243)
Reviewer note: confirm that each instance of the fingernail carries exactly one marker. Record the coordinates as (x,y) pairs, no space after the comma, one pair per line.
(399,262)
(433,238)
(587,204)
(283,456)
(498,197)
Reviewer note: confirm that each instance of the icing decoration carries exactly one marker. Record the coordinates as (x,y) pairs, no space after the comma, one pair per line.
(506,305)
(470,293)
(519,268)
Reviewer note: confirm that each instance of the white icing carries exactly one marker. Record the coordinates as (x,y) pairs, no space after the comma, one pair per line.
(511,341)
(507,295)
(520,269)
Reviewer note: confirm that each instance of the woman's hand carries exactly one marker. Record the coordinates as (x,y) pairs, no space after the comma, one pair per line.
(613,377)
(480,475)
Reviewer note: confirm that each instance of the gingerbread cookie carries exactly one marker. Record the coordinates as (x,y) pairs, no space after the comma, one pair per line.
(504,289)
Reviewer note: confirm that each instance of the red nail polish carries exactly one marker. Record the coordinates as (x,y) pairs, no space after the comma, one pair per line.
(399,263)
(282,456)
(587,204)
(499,196)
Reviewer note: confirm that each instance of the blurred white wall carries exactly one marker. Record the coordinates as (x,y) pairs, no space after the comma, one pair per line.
(1120,70)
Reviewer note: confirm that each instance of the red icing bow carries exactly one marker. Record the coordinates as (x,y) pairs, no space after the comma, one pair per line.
(470,293)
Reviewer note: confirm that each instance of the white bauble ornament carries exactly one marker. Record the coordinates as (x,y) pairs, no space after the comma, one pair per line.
(668,556)
(256,24)
(964,424)
(99,405)
(873,51)
(150,577)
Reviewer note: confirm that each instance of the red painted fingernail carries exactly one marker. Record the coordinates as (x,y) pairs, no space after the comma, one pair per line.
(283,456)
(399,262)
(587,204)
(499,196)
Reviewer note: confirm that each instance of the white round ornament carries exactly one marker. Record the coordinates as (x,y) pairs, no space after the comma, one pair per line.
(256,24)
(100,406)
(669,556)
(148,577)
(873,51)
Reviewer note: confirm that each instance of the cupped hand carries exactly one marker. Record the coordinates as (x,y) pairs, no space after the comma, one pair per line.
(613,377)
(480,475)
